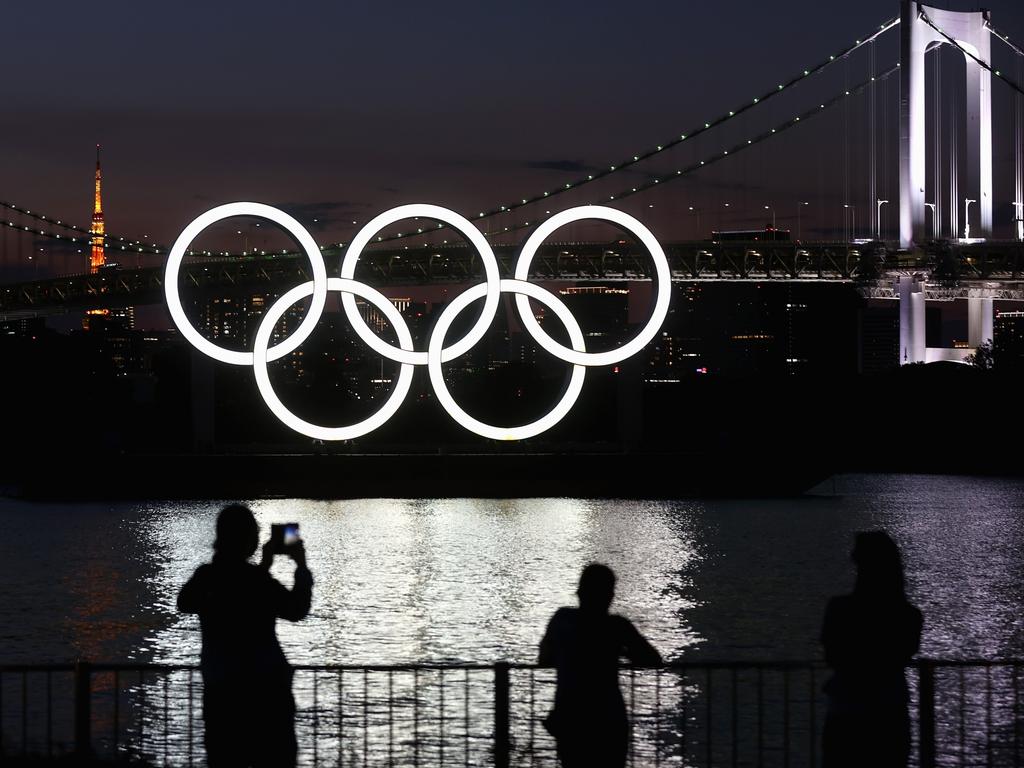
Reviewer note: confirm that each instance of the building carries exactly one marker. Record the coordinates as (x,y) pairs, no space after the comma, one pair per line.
(23,327)
(1008,341)
(678,351)
(123,316)
(602,311)
(97,257)
(375,318)
(232,321)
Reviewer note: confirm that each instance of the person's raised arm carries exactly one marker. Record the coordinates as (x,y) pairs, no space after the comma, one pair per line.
(293,604)
(193,596)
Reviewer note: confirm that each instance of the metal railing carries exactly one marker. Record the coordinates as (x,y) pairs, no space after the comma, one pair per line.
(693,714)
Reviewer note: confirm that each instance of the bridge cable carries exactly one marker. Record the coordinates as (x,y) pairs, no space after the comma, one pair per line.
(1018,151)
(656,181)
(649,185)
(1018,147)
(87,234)
(58,222)
(675,141)
(743,145)
(874,210)
(610,170)
(954,213)
(980,62)
(127,247)
(937,92)
(1006,39)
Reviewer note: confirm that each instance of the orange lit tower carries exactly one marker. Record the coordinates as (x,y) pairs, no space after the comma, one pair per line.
(98,257)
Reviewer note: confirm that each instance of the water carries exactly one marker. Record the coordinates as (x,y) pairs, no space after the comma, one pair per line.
(467,580)
(475,580)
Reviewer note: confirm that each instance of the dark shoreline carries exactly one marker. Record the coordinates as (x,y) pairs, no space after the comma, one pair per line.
(761,471)
(410,475)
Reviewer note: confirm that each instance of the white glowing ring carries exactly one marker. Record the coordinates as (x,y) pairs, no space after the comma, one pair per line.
(305,241)
(476,239)
(279,409)
(661,301)
(436,357)
(437,354)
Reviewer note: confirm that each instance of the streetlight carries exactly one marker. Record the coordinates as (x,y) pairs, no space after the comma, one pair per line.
(770,208)
(1019,207)
(935,221)
(967,215)
(878,218)
(853,227)
(798,207)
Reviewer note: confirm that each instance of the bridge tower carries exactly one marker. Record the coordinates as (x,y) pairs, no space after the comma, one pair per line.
(98,257)
(970,30)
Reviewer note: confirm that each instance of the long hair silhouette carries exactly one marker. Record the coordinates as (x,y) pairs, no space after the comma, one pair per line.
(879,566)
(869,636)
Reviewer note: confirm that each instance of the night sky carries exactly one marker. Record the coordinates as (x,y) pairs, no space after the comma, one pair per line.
(339,110)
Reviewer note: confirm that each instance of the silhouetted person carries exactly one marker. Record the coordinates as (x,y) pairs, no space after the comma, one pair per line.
(247,682)
(585,645)
(869,636)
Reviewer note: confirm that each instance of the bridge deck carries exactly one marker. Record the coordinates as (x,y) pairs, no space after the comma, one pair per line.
(991,268)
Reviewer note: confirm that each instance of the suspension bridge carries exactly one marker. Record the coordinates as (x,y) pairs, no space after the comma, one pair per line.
(958,234)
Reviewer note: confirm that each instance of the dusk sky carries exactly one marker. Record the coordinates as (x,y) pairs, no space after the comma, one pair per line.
(339,110)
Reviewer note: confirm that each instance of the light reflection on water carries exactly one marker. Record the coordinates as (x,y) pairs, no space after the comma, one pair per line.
(476,580)
(450,580)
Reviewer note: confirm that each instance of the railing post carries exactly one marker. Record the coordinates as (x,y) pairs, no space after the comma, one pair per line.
(926,713)
(502,741)
(83,708)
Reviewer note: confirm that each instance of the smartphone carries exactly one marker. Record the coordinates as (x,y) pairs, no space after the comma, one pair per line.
(284,535)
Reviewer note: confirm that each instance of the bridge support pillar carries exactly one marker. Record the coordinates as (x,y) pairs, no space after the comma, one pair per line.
(970,31)
(979,321)
(912,338)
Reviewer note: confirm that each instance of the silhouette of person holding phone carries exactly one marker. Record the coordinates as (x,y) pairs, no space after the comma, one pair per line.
(248,707)
(869,637)
(585,645)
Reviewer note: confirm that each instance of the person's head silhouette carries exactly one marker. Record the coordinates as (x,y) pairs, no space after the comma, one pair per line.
(597,588)
(879,565)
(238,533)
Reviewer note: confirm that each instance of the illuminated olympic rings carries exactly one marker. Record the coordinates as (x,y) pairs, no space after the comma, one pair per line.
(436,353)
